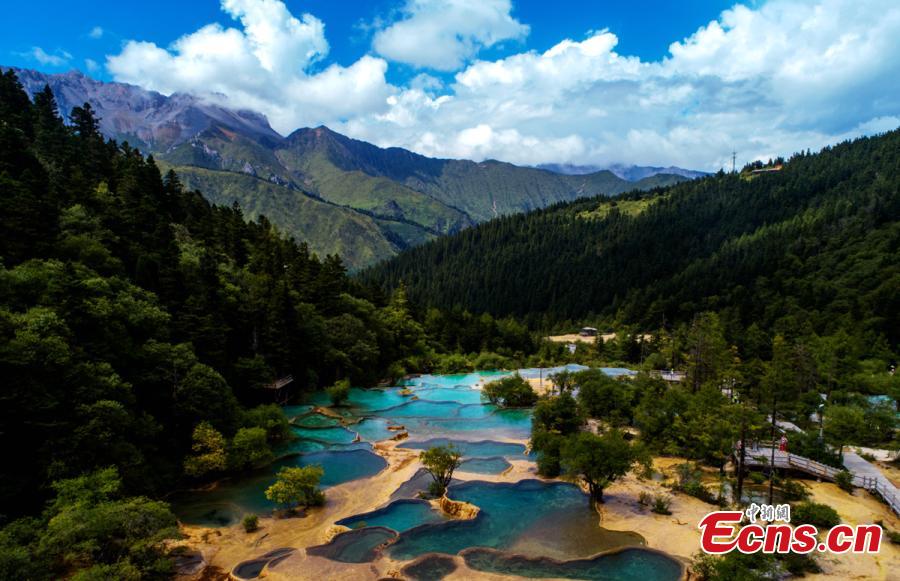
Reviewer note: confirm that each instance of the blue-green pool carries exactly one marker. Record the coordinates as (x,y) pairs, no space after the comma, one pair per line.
(530,517)
(429,568)
(494,465)
(359,546)
(328,435)
(400,516)
(624,565)
(231,499)
(315,420)
(433,409)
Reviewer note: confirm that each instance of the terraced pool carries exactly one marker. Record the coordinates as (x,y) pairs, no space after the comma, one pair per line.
(529,528)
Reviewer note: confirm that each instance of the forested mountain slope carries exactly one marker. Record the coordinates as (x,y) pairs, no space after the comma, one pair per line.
(132,310)
(336,193)
(141,331)
(814,246)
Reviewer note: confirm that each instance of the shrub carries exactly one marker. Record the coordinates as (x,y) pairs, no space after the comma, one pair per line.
(697,490)
(271,418)
(687,473)
(296,486)
(757,477)
(793,490)
(453,363)
(689,483)
(490,360)
(868,457)
(813,513)
(892,536)
(734,565)
(120,570)
(339,392)
(251,523)
(249,448)
(645,498)
(798,565)
(661,504)
(844,480)
(512,391)
(396,372)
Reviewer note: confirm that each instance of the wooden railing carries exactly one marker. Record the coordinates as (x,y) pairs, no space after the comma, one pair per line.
(279,383)
(762,456)
(881,487)
(811,466)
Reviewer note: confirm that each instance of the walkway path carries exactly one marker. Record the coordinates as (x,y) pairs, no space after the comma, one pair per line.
(865,475)
(860,467)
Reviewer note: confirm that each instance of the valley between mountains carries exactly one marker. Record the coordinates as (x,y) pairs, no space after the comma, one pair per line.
(339,195)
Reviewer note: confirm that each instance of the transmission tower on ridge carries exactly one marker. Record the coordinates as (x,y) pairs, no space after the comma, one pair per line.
(733,161)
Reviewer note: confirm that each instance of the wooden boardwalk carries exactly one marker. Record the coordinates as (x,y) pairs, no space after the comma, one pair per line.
(864,474)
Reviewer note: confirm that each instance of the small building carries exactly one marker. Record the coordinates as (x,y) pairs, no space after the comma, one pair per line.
(669,375)
(769,169)
(588,332)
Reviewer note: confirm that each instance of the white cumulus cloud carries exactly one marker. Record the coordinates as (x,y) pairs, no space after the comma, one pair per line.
(786,76)
(781,77)
(96,32)
(445,34)
(263,65)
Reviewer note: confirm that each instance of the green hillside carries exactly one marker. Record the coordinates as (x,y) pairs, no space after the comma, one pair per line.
(481,190)
(327,228)
(394,197)
(407,197)
(379,195)
(814,246)
(492,188)
(222,149)
(366,203)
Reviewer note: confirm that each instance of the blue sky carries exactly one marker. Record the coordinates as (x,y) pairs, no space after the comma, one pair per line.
(645,28)
(599,82)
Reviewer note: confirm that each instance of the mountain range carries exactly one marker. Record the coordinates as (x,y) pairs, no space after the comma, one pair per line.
(810,246)
(632,173)
(338,194)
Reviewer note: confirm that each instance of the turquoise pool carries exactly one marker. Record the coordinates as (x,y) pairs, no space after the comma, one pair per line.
(548,519)
(232,498)
(625,565)
(494,465)
(432,409)
(400,516)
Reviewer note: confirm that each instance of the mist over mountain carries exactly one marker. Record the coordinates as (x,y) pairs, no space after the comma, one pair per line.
(632,173)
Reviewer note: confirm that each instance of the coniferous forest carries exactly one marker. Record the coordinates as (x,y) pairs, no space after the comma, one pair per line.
(139,323)
(142,328)
(811,249)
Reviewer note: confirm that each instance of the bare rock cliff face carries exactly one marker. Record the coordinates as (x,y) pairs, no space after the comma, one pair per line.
(146,119)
